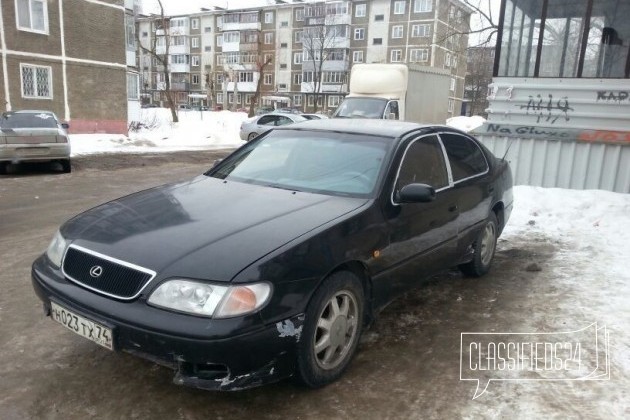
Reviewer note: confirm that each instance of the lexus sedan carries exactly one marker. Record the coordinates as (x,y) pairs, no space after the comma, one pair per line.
(257,125)
(28,136)
(271,263)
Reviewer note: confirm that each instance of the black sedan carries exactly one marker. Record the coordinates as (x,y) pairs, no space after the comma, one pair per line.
(271,263)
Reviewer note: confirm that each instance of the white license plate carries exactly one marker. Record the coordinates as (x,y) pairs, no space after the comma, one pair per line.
(89,329)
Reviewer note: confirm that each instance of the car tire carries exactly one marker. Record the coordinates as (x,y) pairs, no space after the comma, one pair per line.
(333,320)
(4,166)
(484,248)
(251,136)
(66,167)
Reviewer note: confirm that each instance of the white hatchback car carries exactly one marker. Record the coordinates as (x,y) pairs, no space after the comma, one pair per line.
(250,129)
(27,136)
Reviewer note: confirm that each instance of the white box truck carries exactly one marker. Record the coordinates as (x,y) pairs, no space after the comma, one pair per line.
(397,91)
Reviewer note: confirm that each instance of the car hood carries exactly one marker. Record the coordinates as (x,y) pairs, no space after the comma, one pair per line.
(205,228)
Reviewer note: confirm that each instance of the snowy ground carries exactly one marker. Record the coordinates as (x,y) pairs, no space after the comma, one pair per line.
(195,131)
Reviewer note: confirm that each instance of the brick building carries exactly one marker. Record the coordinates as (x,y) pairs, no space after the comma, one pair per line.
(69,57)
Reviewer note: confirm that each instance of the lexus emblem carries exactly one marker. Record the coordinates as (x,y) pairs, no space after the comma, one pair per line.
(96,271)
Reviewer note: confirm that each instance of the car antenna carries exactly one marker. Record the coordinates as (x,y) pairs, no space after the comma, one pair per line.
(508,148)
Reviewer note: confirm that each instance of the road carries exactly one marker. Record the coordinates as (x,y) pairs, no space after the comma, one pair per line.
(408,365)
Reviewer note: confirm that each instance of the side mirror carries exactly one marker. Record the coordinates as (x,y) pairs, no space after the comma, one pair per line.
(416,193)
(65,126)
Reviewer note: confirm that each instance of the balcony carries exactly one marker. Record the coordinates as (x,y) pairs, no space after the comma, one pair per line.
(180,68)
(231,46)
(338,19)
(179,49)
(240,26)
(180,86)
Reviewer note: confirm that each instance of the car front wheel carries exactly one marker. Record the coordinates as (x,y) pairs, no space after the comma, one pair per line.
(484,247)
(251,136)
(332,328)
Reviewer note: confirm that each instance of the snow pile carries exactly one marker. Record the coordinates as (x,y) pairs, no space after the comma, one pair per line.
(195,131)
(466,124)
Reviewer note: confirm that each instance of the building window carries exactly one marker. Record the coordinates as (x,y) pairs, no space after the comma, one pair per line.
(36,81)
(299,35)
(360,10)
(195,61)
(245,76)
(268,17)
(32,15)
(248,98)
(311,100)
(397,31)
(359,34)
(420,30)
(357,56)
(219,98)
(282,87)
(452,84)
(268,58)
(219,40)
(284,45)
(297,100)
(299,14)
(447,60)
(377,41)
(450,105)
(133,88)
(379,18)
(268,79)
(396,56)
(194,24)
(130,32)
(422,6)
(195,42)
(195,79)
(308,77)
(207,48)
(297,79)
(207,29)
(297,58)
(283,66)
(454,61)
(399,7)
(268,38)
(333,101)
(419,55)
(284,24)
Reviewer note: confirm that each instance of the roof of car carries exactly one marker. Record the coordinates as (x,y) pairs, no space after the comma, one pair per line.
(386,128)
(282,114)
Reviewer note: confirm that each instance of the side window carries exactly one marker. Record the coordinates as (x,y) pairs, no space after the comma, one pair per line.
(267,120)
(392,108)
(423,164)
(283,121)
(465,156)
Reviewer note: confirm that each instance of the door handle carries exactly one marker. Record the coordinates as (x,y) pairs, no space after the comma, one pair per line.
(452,208)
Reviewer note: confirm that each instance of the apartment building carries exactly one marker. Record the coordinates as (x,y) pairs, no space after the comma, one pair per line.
(70,57)
(303,51)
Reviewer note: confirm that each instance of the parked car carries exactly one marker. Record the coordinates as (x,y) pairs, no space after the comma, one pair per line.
(288,110)
(254,126)
(272,262)
(27,136)
(264,110)
(150,105)
(315,116)
(185,107)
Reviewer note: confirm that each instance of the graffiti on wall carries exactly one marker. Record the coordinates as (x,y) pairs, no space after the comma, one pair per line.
(554,133)
(613,96)
(548,110)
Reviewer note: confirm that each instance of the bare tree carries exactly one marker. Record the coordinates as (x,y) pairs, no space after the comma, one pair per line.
(262,61)
(479,76)
(161,23)
(318,42)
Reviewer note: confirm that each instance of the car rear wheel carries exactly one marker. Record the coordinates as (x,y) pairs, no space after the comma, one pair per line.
(484,247)
(65,166)
(334,320)
(251,136)
(4,168)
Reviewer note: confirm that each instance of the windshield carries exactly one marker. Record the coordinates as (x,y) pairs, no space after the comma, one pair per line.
(28,120)
(361,108)
(320,162)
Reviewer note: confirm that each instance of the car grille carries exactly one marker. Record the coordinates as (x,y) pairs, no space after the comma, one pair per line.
(116,278)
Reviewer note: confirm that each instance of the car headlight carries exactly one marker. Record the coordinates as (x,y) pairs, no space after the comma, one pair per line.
(56,249)
(210,299)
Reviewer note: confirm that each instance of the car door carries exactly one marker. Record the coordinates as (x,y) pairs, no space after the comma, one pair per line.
(266,122)
(469,169)
(422,237)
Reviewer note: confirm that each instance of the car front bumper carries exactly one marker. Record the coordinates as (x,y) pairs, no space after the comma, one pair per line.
(189,345)
(34,152)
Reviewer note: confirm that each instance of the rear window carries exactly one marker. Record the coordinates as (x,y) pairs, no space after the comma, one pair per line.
(466,158)
(28,120)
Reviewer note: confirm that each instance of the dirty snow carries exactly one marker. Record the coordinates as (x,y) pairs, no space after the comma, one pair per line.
(465,123)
